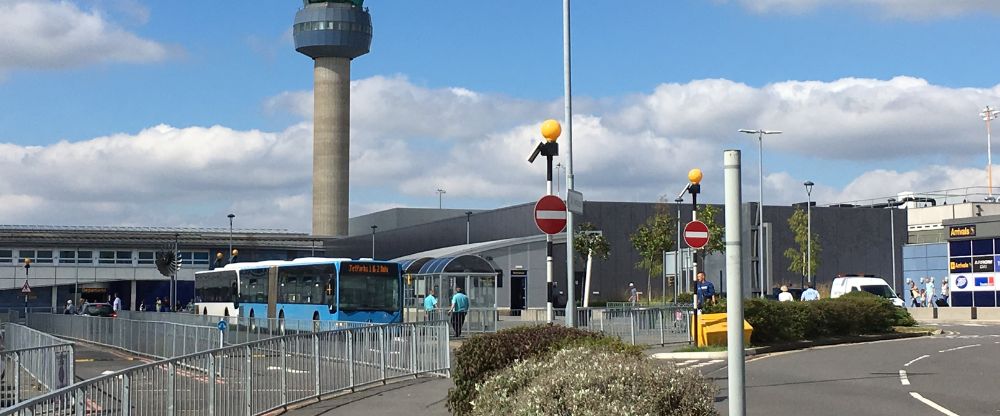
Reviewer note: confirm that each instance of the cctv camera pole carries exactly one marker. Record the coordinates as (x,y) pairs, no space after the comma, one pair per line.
(734,283)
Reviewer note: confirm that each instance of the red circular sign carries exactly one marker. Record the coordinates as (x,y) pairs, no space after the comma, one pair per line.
(696,234)
(550,214)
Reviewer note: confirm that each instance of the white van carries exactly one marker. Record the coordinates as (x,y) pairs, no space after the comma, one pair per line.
(864,283)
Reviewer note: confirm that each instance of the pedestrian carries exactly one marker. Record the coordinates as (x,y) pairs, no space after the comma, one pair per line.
(914,294)
(705,290)
(459,307)
(430,303)
(159,304)
(117,305)
(70,309)
(809,294)
(944,292)
(142,305)
(929,292)
(784,296)
(633,294)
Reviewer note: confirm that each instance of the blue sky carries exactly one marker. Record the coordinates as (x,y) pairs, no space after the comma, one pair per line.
(869,93)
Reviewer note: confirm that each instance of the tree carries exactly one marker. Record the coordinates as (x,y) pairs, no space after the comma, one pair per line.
(716,231)
(798,223)
(651,240)
(590,243)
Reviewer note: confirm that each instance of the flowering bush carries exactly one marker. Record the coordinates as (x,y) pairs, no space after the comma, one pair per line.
(483,355)
(583,381)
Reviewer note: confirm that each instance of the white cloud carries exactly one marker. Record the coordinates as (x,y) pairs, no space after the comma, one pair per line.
(892,8)
(408,140)
(43,34)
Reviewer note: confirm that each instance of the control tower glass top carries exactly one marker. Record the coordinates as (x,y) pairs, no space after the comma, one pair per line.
(357,3)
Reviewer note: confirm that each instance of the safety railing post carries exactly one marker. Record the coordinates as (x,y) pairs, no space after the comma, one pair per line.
(382,352)
(413,349)
(663,339)
(247,375)
(284,370)
(173,351)
(315,338)
(631,322)
(350,358)
(17,377)
(170,388)
(126,393)
(78,401)
(210,367)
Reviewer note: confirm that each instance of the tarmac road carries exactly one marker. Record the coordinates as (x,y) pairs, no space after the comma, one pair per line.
(950,374)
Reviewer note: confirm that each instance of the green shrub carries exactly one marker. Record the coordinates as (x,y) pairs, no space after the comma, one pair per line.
(685,297)
(585,382)
(482,355)
(855,313)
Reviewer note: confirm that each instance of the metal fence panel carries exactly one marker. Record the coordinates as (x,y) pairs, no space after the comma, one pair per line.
(32,363)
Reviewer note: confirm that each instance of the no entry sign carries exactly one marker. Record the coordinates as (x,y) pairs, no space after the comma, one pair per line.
(696,234)
(550,214)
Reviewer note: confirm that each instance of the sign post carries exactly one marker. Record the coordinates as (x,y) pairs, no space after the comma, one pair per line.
(550,214)
(222,330)
(696,234)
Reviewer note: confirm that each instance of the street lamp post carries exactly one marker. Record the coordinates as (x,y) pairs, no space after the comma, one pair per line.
(989,114)
(440,192)
(468,226)
(760,205)
(677,253)
(809,232)
(892,238)
(231,216)
(27,266)
(549,148)
(374,227)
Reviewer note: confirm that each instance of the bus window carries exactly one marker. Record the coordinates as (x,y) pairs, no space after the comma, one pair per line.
(364,289)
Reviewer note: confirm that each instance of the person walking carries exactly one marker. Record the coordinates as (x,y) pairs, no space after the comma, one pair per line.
(633,294)
(70,309)
(459,307)
(929,292)
(705,290)
(809,294)
(914,294)
(117,304)
(944,292)
(784,296)
(159,304)
(430,303)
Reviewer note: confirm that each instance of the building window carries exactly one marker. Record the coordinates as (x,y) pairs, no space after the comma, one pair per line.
(85,257)
(194,257)
(67,257)
(25,254)
(44,257)
(147,257)
(6,256)
(123,257)
(106,257)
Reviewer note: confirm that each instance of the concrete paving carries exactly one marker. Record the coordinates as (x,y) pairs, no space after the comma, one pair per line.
(421,396)
(94,360)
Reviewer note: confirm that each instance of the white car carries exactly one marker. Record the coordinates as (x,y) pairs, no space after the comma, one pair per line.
(864,283)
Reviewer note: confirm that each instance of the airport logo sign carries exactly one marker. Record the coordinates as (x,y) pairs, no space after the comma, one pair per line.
(961,282)
(962,231)
(960,265)
(984,281)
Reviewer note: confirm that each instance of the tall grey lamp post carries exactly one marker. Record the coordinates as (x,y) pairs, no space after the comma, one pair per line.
(892,238)
(231,216)
(440,192)
(374,227)
(989,114)
(468,225)
(677,254)
(809,231)
(760,205)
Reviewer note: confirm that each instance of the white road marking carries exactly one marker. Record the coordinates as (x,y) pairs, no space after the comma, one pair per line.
(903,379)
(686,363)
(106,372)
(933,405)
(960,348)
(973,325)
(915,360)
(705,363)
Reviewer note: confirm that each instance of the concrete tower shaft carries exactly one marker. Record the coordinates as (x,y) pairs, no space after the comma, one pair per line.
(332,33)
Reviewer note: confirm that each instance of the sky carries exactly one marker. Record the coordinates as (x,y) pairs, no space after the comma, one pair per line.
(176,113)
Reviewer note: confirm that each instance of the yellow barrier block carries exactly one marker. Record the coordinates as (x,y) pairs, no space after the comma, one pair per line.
(712,329)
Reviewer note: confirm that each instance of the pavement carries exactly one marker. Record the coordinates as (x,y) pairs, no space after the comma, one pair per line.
(421,396)
(94,360)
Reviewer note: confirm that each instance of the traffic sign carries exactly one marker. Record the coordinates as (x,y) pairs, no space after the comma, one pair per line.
(26,288)
(550,214)
(222,325)
(696,234)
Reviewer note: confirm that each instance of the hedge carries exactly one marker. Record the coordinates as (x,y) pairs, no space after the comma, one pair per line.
(855,313)
(481,356)
(583,381)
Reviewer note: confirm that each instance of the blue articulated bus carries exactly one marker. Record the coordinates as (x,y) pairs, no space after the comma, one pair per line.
(314,288)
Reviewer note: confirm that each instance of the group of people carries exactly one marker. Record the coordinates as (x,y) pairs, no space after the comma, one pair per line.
(922,294)
(72,309)
(458,310)
(809,294)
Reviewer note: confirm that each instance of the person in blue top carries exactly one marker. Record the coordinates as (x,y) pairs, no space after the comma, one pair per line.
(459,307)
(430,303)
(809,294)
(705,290)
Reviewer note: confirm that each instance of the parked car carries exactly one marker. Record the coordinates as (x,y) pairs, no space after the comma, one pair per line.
(866,283)
(98,309)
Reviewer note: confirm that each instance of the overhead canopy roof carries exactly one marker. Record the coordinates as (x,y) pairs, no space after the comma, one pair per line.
(462,264)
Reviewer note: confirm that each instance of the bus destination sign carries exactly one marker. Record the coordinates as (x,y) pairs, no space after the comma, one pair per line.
(367,268)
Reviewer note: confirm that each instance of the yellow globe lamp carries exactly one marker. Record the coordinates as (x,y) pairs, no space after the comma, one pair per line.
(235,252)
(694,175)
(551,130)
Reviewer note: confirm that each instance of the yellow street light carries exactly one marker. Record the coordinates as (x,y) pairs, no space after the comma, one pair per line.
(551,130)
(694,175)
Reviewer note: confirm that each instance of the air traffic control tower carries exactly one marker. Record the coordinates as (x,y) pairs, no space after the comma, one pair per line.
(332,32)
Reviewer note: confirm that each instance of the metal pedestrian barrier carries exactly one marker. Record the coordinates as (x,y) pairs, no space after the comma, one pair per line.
(243,329)
(476,319)
(257,377)
(32,363)
(646,326)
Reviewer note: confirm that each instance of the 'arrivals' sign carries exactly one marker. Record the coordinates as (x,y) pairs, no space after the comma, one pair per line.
(962,231)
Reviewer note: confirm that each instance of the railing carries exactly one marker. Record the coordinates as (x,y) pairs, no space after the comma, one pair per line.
(648,326)
(476,319)
(257,377)
(156,339)
(32,363)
